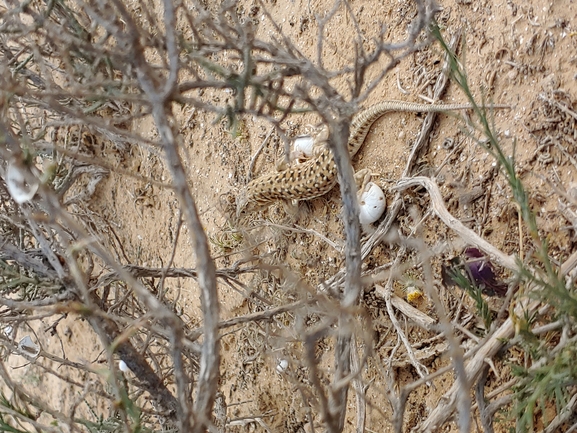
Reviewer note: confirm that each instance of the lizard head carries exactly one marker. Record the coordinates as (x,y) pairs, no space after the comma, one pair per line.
(241,203)
(235,204)
(244,205)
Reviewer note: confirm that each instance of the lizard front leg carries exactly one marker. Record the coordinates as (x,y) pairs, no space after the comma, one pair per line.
(305,147)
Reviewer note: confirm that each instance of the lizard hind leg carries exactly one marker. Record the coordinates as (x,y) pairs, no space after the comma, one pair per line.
(362,178)
(291,207)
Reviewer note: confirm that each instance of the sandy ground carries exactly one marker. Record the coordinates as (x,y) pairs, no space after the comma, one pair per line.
(514,53)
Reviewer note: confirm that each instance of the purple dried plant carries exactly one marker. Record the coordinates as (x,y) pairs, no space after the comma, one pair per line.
(480,269)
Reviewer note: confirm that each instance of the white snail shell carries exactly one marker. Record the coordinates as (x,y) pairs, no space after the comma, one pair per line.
(17,185)
(123,367)
(28,347)
(372,204)
(282,365)
(303,146)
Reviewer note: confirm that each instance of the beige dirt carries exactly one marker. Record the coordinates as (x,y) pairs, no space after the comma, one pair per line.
(513,53)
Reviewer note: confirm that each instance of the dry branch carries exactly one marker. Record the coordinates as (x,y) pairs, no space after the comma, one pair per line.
(98,56)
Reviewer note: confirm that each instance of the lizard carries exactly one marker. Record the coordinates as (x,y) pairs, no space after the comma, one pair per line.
(318,175)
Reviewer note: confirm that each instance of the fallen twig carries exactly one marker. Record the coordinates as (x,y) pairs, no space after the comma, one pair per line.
(454,224)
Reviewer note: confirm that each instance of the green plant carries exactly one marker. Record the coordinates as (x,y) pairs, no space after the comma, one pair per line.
(549,374)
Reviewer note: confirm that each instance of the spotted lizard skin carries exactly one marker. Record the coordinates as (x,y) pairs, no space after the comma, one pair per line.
(318,175)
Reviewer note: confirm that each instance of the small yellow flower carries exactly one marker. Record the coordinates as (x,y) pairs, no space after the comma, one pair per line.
(413,294)
(412,286)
